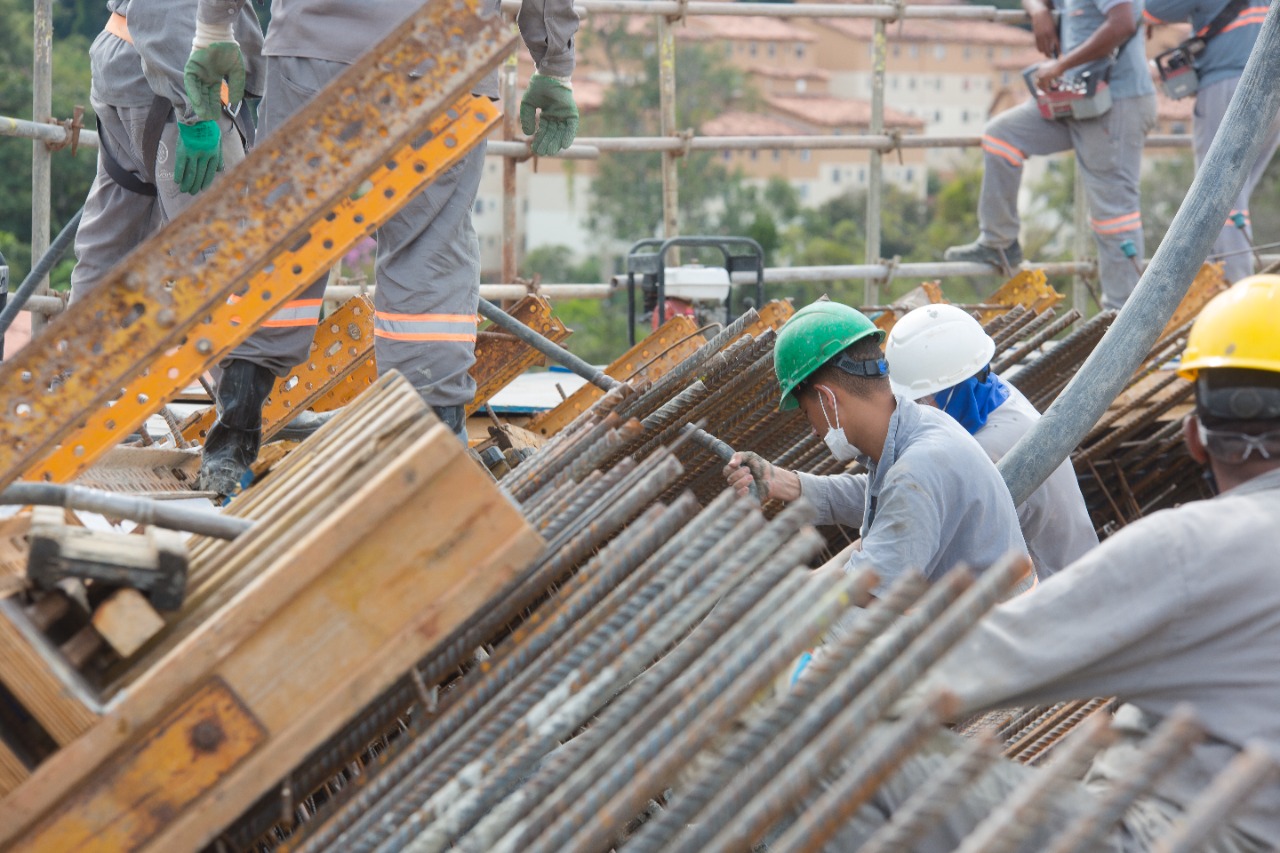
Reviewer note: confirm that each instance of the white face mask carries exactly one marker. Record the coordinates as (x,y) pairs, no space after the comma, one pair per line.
(835,440)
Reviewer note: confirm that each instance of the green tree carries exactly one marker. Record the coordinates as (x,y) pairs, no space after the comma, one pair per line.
(627,189)
(71,175)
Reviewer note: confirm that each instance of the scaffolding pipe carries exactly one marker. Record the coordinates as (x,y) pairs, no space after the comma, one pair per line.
(882,11)
(141,510)
(1165,281)
(667,125)
(41,156)
(875,173)
(591,147)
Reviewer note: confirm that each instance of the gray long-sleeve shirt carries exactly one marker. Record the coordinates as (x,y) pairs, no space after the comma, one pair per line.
(341,30)
(1055,521)
(132,75)
(1183,606)
(932,501)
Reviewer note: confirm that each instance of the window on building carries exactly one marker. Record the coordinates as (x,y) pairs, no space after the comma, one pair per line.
(801,85)
(773,49)
(804,155)
(751,49)
(799,51)
(914,51)
(755,155)
(1179,127)
(835,176)
(862,176)
(937,115)
(1006,53)
(991,53)
(911,175)
(803,191)
(939,51)
(911,83)
(964,117)
(937,84)
(777,156)
(968,52)
(726,155)
(964,84)
(1004,78)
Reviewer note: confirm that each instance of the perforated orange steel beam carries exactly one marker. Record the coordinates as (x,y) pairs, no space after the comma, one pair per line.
(164,297)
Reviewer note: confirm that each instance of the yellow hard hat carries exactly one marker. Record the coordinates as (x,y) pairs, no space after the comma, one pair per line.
(1240,327)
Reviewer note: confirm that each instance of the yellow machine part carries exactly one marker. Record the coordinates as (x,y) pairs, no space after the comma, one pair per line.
(1029,288)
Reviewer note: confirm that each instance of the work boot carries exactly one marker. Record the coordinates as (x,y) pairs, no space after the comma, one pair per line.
(455,418)
(1007,260)
(304,425)
(233,441)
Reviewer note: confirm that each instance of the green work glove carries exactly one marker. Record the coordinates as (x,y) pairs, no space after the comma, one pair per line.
(199,155)
(558,123)
(207,68)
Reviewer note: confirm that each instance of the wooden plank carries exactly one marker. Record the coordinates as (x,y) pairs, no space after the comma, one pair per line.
(126,620)
(27,676)
(12,771)
(195,746)
(318,633)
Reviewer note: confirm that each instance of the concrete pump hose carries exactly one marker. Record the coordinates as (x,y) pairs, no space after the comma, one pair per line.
(141,510)
(1195,227)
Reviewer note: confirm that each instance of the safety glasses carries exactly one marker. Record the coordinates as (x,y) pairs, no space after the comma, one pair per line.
(1236,447)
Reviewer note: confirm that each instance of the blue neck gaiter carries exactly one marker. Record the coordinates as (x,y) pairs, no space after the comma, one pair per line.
(972,402)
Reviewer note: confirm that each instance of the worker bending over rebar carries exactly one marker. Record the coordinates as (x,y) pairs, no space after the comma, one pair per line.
(940,356)
(932,499)
(428,261)
(1181,607)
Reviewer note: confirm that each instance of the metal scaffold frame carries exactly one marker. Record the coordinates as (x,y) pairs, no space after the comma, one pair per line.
(673,143)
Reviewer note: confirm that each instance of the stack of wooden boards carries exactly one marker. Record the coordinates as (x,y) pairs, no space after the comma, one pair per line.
(372,541)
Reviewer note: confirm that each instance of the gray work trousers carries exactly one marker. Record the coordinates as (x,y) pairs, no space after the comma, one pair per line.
(427,268)
(1233,244)
(1148,819)
(1108,157)
(116,220)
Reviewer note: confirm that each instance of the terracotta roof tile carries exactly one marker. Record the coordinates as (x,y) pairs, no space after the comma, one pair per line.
(917,30)
(747,28)
(829,111)
(752,124)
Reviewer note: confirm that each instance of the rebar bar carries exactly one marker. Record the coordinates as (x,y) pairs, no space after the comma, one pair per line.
(648,766)
(1231,789)
(1006,828)
(926,808)
(852,789)
(1036,341)
(740,816)
(1168,745)
(820,673)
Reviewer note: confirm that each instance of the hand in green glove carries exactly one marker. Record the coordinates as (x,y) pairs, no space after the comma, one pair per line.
(207,68)
(199,155)
(557,123)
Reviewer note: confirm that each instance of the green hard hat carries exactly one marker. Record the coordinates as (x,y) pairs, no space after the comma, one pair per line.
(813,336)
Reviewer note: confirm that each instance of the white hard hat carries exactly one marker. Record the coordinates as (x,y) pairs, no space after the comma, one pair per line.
(935,347)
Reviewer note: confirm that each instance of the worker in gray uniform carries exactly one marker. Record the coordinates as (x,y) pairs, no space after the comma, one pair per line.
(428,261)
(1209,65)
(154,153)
(1180,607)
(932,499)
(940,356)
(1108,147)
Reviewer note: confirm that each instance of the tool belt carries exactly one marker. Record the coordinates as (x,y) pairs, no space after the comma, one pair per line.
(1177,65)
(158,115)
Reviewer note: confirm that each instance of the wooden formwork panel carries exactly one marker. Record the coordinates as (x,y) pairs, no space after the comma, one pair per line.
(357,567)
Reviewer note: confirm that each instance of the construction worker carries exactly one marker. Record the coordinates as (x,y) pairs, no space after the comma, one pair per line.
(931,500)
(154,152)
(1223,35)
(1108,147)
(940,356)
(428,263)
(1182,606)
